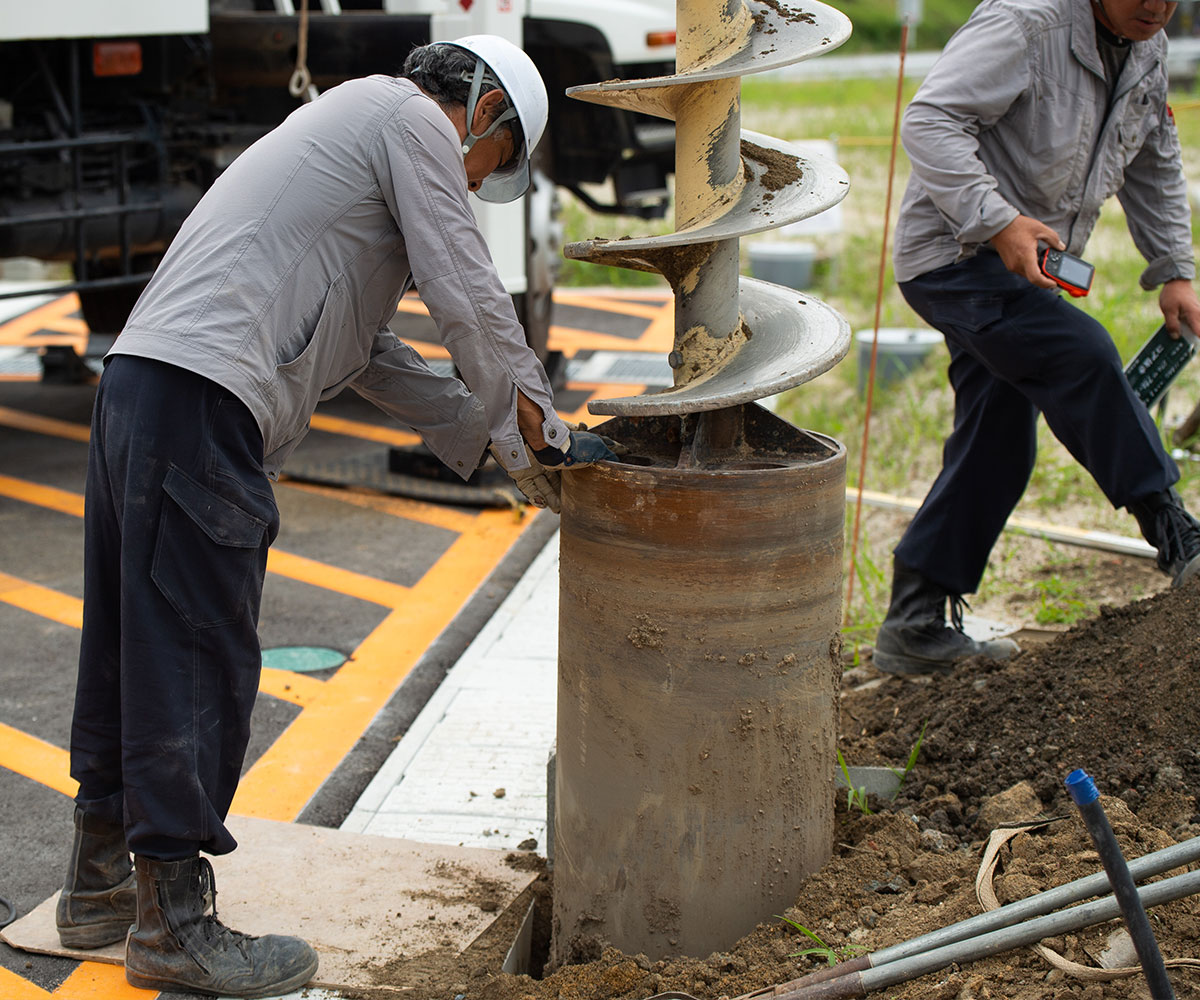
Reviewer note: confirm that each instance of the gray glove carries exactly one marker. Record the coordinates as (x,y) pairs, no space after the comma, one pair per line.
(540,486)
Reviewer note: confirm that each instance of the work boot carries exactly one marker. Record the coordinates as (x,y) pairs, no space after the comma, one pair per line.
(179,946)
(1168,526)
(914,637)
(98,903)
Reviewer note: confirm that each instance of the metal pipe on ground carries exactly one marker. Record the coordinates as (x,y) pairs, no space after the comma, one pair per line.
(1147,865)
(859,984)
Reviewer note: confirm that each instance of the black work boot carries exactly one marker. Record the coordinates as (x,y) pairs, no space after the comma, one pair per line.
(179,946)
(914,637)
(98,903)
(1168,526)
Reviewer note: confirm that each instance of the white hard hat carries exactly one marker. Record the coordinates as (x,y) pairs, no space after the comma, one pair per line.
(516,75)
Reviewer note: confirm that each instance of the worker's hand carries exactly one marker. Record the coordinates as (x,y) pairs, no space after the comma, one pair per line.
(585,449)
(1179,304)
(1017,244)
(539,485)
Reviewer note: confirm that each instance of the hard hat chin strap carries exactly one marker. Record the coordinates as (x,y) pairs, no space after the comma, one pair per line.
(477,82)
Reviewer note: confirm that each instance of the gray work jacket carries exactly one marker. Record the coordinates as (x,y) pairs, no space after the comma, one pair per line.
(1015,118)
(282,281)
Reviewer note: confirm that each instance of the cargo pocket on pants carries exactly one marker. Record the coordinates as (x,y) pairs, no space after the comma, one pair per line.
(206,553)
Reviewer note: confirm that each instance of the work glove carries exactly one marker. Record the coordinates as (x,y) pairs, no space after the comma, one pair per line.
(539,485)
(584,449)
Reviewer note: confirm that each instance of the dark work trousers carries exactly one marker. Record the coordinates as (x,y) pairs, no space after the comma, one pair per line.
(177,521)
(1017,350)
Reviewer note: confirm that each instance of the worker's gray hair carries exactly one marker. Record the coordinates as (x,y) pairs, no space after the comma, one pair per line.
(442,71)
(445,72)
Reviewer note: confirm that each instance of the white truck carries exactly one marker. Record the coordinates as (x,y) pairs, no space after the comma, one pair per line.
(116,115)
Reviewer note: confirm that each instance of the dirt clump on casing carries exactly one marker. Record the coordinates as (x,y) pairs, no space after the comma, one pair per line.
(1115,696)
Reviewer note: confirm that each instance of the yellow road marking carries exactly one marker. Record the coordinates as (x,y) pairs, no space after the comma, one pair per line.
(432,514)
(42,496)
(14,987)
(361,429)
(52,604)
(344,581)
(287,776)
(37,760)
(287,685)
(99,981)
(602,303)
(285,564)
(44,425)
(569,340)
(53,315)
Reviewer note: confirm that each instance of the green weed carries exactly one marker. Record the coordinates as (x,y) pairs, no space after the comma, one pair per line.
(831,954)
(911,762)
(854,796)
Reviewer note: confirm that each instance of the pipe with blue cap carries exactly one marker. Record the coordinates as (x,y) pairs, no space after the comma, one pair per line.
(1085,796)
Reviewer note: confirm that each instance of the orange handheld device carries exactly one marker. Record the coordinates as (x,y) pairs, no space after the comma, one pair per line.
(1068,271)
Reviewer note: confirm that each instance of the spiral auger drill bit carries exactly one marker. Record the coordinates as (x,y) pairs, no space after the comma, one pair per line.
(736,339)
(700,574)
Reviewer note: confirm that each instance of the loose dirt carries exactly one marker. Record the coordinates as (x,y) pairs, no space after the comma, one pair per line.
(1114,695)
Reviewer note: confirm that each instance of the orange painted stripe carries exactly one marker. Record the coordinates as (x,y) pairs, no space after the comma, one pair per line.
(43,425)
(100,981)
(603,303)
(52,315)
(37,760)
(283,563)
(344,581)
(287,685)
(435,515)
(42,496)
(287,776)
(32,597)
(361,429)
(14,987)
(570,340)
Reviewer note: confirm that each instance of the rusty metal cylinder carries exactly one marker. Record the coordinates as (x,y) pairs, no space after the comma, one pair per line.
(698,671)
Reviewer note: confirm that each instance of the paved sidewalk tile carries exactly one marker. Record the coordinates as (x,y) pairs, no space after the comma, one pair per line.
(471,770)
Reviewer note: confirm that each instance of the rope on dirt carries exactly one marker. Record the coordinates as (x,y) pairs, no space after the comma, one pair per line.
(11,912)
(986,895)
(300,85)
(887,218)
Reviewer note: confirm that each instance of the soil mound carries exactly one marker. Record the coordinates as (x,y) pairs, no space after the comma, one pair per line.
(1115,695)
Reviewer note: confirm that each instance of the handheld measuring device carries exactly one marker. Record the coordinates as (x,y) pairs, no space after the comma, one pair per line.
(1068,271)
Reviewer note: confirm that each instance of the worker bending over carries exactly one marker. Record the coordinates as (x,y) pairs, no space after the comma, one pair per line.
(276,294)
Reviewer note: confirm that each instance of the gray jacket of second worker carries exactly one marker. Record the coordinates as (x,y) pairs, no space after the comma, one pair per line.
(282,281)
(1015,118)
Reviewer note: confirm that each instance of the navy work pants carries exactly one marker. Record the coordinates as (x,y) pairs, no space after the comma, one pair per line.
(178,519)
(1017,350)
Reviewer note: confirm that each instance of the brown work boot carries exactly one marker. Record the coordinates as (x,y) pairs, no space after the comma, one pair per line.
(98,903)
(179,946)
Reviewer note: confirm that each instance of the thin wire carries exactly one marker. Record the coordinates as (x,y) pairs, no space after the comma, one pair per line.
(887,219)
